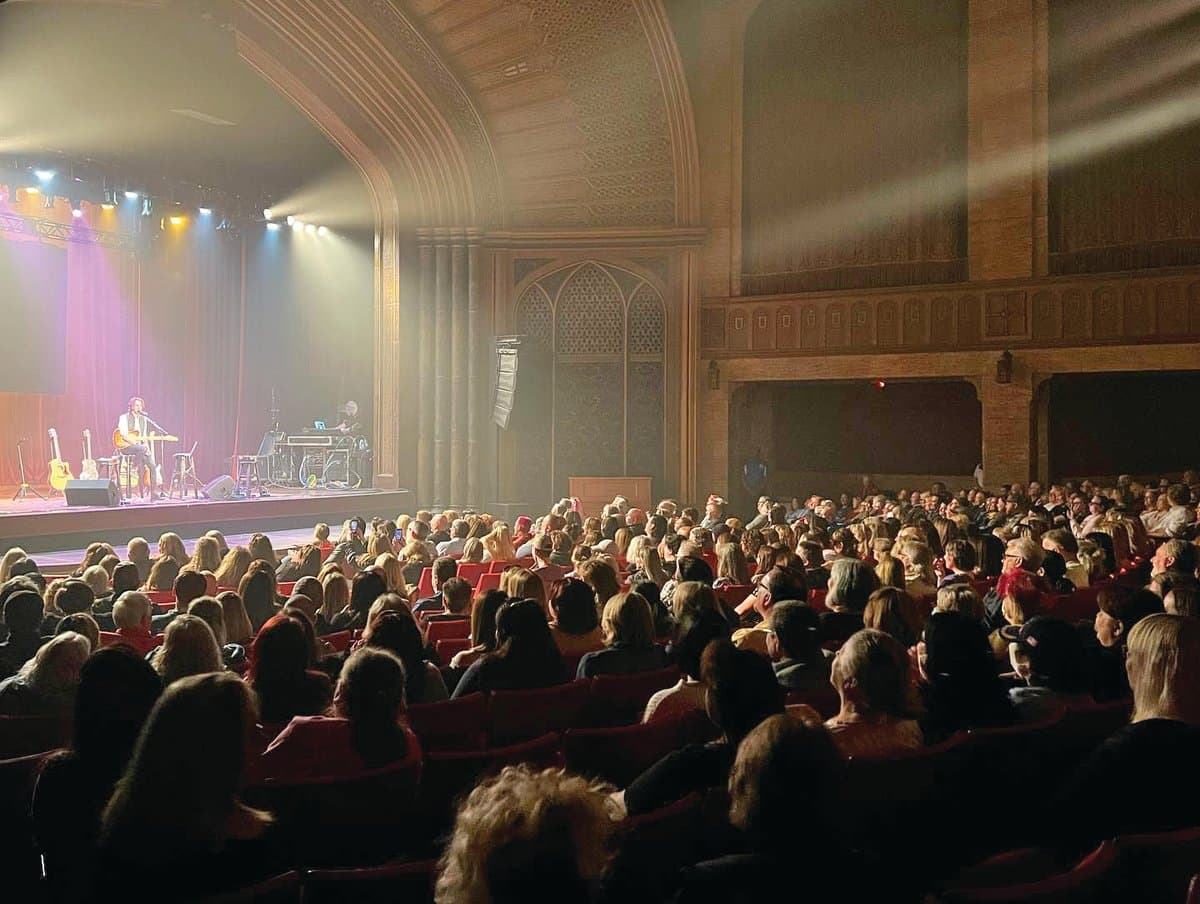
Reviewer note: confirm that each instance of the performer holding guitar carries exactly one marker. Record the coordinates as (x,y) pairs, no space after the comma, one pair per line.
(131,427)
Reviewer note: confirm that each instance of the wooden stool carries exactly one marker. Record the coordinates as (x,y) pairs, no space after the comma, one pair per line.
(184,476)
(247,477)
(127,476)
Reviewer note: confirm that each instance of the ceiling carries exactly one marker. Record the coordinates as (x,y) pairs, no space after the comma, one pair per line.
(99,80)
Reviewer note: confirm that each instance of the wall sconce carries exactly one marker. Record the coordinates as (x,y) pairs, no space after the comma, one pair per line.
(1004,366)
(714,375)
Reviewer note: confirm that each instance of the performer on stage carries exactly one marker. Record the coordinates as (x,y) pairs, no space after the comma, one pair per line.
(132,426)
(348,415)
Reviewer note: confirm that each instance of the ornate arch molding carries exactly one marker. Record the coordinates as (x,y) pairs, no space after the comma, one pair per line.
(364,74)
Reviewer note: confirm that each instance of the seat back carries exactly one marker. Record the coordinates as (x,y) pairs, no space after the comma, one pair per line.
(411,883)
(450,776)
(816,599)
(471,571)
(732,594)
(285,588)
(1087,882)
(498,567)
(825,701)
(19,857)
(1158,867)
(653,849)
(458,724)
(447,628)
(159,597)
(26,735)
(621,754)
(364,819)
(489,581)
(425,583)
(621,699)
(339,640)
(450,647)
(515,716)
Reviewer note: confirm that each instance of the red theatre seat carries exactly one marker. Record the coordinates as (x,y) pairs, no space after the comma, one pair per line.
(490,581)
(340,640)
(456,724)
(25,735)
(621,754)
(1158,867)
(286,588)
(159,597)
(471,572)
(450,647)
(1086,882)
(425,584)
(816,599)
(519,715)
(621,699)
(447,629)
(733,594)
(498,567)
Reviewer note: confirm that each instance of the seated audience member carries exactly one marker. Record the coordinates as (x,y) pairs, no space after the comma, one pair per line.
(816,572)
(300,563)
(1021,599)
(74,596)
(1063,542)
(525,654)
(574,625)
(162,575)
(1047,654)
(877,718)
(483,627)
(233,567)
(961,688)
(397,632)
(602,578)
(131,615)
(889,569)
(238,629)
(1021,555)
(335,600)
(1177,519)
(776,585)
(628,627)
(179,797)
(1054,573)
(97,579)
(547,571)
(740,691)
(443,570)
(1162,654)
(794,645)
(731,567)
(365,731)
(23,616)
(365,589)
(688,568)
(262,550)
(697,627)
(1173,562)
(526,835)
(206,555)
(456,597)
(257,593)
(919,577)
(81,623)
(664,624)
(46,684)
(960,597)
(453,545)
(117,689)
(851,584)
(1183,599)
(784,769)
(211,612)
(1118,609)
(314,590)
(280,674)
(138,550)
(894,612)
(189,585)
(189,648)
(472,552)
(960,559)
(125,577)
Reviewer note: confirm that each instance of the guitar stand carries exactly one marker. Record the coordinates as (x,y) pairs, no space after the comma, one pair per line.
(24,490)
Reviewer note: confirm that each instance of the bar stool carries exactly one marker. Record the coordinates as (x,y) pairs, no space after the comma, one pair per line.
(184,476)
(247,477)
(127,476)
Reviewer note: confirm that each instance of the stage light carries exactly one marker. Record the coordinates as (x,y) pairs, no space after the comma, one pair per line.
(204,211)
(310,228)
(267,212)
(291,220)
(322,231)
(76,210)
(880,384)
(177,220)
(295,224)
(32,190)
(274,227)
(44,175)
(131,196)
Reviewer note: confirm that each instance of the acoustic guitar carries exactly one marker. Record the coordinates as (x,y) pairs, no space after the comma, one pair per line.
(87,467)
(120,442)
(60,471)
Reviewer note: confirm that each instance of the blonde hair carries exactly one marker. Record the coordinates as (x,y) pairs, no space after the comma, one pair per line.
(518,821)
(233,567)
(55,666)
(499,544)
(918,560)
(238,627)
(11,558)
(693,592)
(189,648)
(337,595)
(472,551)
(206,555)
(890,571)
(524,584)
(880,668)
(171,544)
(627,620)
(393,572)
(97,579)
(960,598)
(386,602)
(1161,652)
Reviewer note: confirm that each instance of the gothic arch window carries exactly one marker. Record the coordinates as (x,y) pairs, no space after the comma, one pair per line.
(607,327)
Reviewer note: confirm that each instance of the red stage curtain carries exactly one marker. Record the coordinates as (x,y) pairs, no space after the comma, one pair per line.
(164,323)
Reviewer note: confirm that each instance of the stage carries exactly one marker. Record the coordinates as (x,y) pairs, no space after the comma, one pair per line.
(41,526)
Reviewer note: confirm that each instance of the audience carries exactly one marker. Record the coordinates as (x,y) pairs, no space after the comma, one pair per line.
(878,713)
(628,627)
(396,632)
(132,616)
(46,684)
(794,645)
(851,583)
(960,686)
(188,648)
(574,625)
(525,655)
(280,673)
(483,627)
(23,616)
(698,626)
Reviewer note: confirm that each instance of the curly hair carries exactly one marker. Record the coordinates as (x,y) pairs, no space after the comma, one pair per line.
(527,832)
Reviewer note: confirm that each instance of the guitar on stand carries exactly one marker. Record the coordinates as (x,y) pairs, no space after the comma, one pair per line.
(87,467)
(60,471)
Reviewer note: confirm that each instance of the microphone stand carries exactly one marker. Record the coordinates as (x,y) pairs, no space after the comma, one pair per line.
(153,457)
(24,489)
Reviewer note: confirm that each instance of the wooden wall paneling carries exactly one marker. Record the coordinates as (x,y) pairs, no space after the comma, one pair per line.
(1047,323)
(787,328)
(1170,310)
(1076,317)
(1106,313)
(889,323)
(914,326)
(836,326)
(738,331)
(763,329)
(942,322)
(1139,312)
(811,336)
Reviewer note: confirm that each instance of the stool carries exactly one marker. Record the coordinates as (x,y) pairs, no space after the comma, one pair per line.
(184,476)
(247,477)
(127,477)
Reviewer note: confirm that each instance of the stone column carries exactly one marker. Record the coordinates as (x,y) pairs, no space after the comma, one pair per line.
(1006,138)
(421,374)
(477,372)
(1007,428)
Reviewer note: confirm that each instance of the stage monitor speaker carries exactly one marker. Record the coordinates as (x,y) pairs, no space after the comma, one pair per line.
(518,355)
(92,492)
(219,488)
